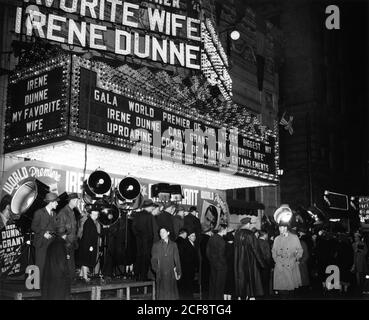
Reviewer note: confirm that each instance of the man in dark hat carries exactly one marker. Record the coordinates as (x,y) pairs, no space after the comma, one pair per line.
(268,261)
(66,227)
(165,219)
(215,251)
(204,263)
(248,262)
(192,222)
(44,227)
(142,228)
(178,220)
(189,258)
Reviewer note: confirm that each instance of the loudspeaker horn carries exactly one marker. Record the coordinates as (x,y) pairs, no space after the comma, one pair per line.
(128,189)
(26,200)
(108,212)
(97,184)
(31,193)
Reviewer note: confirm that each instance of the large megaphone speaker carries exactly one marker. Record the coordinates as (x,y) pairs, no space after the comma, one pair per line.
(108,212)
(128,189)
(29,194)
(97,184)
(26,200)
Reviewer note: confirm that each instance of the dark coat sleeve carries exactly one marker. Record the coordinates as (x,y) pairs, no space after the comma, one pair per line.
(215,251)
(90,233)
(257,252)
(135,224)
(88,246)
(265,252)
(142,225)
(40,226)
(177,261)
(60,223)
(155,258)
(66,225)
(36,222)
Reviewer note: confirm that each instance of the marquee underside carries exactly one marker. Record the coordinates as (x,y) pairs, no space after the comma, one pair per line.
(71,153)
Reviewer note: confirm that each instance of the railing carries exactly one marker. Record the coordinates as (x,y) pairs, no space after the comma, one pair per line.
(95,291)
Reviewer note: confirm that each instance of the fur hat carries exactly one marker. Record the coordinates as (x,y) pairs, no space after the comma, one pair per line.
(148,203)
(283,214)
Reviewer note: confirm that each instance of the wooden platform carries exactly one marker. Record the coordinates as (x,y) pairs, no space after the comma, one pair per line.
(96,290)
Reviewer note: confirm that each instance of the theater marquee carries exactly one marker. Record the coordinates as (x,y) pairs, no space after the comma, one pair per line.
(70,98)
(115,116)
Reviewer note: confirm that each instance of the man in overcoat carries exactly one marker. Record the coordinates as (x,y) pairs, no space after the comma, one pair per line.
(143,230)
(166,265)
(248,263)
(66,227)
(191,222)
(204,264)
(44,227)
(215,252)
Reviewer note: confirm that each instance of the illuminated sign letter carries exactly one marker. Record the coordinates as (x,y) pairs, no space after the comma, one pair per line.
(94,36)
(71,9)
(74,31)
(51,27)
(127,42)
(190,55)
(127,13)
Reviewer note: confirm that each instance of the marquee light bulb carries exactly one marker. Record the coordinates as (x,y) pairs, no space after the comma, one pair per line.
(235,35)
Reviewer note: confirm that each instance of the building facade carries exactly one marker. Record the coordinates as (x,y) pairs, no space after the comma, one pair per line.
(258,95)
(323,85)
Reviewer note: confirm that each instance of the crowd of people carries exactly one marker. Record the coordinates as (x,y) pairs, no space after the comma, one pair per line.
(188,260)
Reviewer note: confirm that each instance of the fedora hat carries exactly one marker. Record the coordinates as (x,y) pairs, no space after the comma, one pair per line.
(148,203)
(50,197)
(245,220)
(73,195)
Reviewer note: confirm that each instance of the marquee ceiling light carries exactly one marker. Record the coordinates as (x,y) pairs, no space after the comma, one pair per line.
(235,35)
(70,153)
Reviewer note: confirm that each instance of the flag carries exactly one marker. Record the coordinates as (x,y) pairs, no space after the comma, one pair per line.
(287,123)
